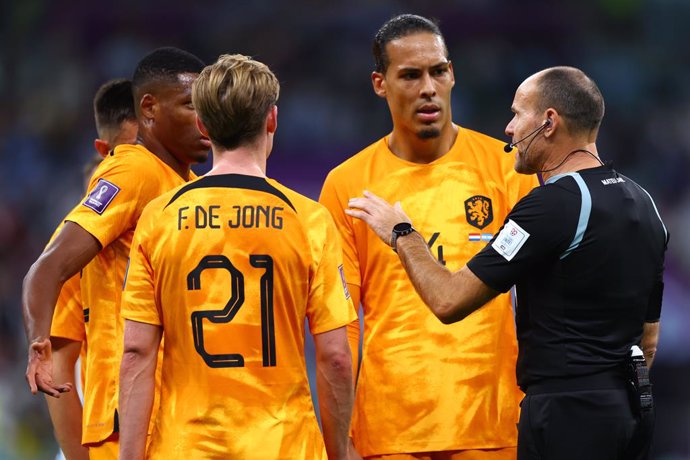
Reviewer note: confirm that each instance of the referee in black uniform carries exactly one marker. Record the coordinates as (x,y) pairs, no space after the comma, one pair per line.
(586,253)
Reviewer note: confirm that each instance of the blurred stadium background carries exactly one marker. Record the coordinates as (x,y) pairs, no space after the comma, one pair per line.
(54,55)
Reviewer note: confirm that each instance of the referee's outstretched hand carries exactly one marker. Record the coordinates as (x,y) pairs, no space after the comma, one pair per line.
(378,214)
(39,371)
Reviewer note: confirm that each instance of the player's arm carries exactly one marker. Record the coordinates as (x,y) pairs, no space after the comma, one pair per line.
(353,331)
(137,381)
(142,337)
(334,386)
(66,412)
(354,338)
(334,198)
(71,250)
(451,296)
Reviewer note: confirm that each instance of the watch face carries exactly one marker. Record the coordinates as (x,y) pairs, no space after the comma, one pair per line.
(402,227)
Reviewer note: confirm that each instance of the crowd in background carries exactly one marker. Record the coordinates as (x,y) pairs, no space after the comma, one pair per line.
(54,55)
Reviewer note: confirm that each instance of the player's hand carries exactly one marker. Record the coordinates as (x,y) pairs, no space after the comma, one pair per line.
(39,371)
(352,453)
(378,214)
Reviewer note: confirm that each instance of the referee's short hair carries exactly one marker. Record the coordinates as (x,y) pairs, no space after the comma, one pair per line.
(573,94)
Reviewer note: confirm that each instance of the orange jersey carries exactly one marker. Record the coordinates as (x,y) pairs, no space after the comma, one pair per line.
(119,189)
(425,386)
(230,266)
(68,318)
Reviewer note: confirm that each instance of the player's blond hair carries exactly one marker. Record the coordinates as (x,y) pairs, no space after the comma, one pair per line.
(232,98)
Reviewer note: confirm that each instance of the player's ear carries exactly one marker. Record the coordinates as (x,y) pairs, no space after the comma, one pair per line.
(378,81)
(102,147)
(147,106)
(452,72)
(272,120)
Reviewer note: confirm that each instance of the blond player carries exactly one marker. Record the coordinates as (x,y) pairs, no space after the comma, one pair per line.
(226,269)
(426,390)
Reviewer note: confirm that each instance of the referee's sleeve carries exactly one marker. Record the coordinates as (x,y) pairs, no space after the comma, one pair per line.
(540,226)
(654,306)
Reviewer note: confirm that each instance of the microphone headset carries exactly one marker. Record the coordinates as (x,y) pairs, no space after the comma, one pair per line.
(508,147)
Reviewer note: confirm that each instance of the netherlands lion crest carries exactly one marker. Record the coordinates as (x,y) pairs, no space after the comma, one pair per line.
(478,211)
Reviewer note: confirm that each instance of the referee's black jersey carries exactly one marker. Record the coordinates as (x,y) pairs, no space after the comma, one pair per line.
(586,254)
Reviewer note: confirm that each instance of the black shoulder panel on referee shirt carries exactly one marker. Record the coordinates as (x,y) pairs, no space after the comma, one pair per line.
(232,181)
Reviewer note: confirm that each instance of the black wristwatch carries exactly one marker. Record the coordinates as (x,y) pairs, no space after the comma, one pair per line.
(401,229)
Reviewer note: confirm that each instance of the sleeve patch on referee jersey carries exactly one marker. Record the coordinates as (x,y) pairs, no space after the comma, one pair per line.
(101,196)
(510,240)
(342,277)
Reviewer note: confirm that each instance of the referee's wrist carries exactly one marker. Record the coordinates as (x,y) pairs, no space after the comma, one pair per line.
(400,230)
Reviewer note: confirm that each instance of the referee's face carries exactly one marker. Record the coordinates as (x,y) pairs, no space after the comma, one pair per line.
(526,119)
(417,84)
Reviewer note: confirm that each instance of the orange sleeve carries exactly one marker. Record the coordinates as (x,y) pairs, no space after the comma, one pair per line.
(329,306)
(118,192)
(333,197)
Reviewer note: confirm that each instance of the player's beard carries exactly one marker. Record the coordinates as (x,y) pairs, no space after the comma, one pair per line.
(428,133)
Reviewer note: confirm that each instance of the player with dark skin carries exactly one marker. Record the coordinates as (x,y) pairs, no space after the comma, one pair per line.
(167,128)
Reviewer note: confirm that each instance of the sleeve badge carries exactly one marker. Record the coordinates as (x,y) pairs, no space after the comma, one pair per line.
(101,196)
